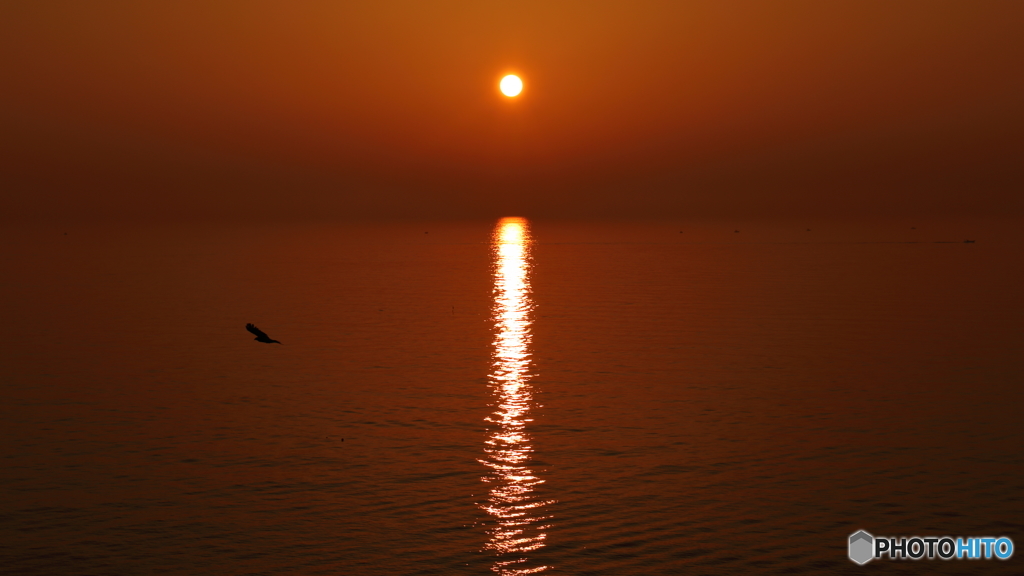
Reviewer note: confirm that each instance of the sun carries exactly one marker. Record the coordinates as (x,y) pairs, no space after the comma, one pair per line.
(511,85)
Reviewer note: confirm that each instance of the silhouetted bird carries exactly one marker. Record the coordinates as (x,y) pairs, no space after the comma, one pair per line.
(261,336)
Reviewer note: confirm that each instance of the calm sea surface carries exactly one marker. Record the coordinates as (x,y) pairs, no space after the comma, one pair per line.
(508,397)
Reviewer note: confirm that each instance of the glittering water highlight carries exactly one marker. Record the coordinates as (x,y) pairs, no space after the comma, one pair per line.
(520,519)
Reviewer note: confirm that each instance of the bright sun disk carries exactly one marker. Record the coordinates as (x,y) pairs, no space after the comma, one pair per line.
(511,85)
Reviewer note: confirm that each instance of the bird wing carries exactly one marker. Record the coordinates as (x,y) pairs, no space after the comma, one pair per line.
(259,333)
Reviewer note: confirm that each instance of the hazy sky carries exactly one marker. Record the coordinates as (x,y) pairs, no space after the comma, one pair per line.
(380,108)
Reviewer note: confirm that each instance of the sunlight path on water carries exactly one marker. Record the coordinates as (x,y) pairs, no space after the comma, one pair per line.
(519,519)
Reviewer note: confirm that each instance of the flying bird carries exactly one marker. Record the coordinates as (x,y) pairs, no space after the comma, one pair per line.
(261,336)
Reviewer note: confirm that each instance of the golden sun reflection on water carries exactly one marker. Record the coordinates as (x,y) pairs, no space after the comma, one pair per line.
(519,519)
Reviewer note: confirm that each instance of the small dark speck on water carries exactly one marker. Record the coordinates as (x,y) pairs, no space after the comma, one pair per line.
(736,231)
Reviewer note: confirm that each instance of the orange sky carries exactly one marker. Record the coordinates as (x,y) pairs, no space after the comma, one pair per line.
(390,109)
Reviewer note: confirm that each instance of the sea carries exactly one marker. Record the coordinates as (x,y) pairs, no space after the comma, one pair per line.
(508,396)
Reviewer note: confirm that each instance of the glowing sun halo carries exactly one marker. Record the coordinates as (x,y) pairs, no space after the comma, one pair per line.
(511,85)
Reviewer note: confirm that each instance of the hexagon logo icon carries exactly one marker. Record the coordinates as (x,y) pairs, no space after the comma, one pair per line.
(861,544)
